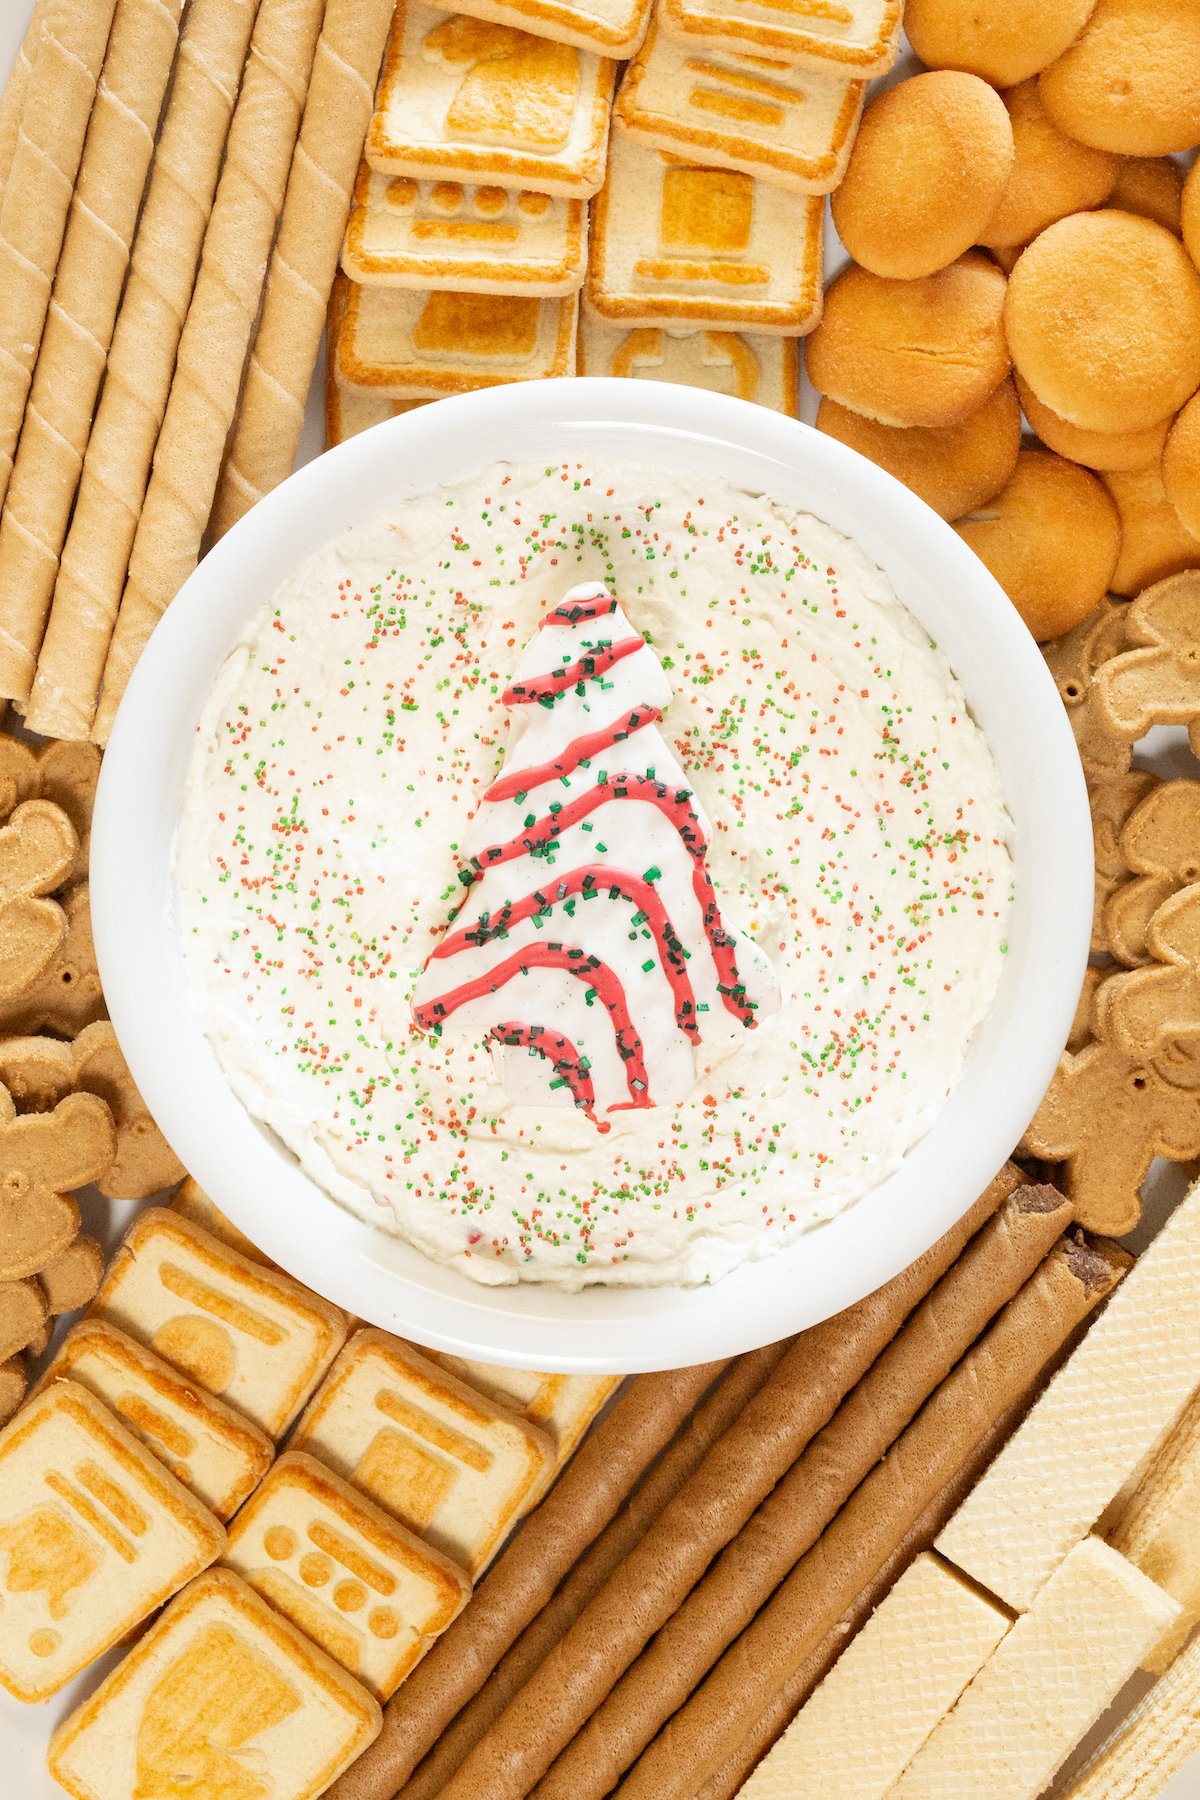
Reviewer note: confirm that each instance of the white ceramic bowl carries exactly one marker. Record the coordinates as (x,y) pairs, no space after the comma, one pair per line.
(245,1168)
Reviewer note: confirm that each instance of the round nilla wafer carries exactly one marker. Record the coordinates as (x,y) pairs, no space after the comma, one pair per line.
(1052,174)
(925,352)
(1181,467)
(931,161)
(1153,187)
(1131,81)
(1103,321)
(1189,212)
(1154,541)
(1004,41)
(953,468)
(1094,449)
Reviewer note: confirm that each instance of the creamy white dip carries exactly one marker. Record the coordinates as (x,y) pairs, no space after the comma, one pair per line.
(856,834)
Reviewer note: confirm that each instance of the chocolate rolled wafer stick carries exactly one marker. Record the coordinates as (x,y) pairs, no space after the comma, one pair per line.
(693,1745)
(141,361)
(220,323)
(740,1382)
(41,179)
(79,326)
(340,102)
(991,1269)
(12,101)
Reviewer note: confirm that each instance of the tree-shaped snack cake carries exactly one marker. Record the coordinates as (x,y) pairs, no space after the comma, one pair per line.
(591,949)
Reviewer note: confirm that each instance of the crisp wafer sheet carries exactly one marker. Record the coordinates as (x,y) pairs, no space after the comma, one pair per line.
(762,369)
(403,345)
(609,27)
(674,243)
(469,100)
(789,124)
(473,239)
(856,35)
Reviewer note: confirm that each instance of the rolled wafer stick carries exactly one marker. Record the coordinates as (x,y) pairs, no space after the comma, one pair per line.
(715,1415)
(305,259)
(991,1269)
(41,179)
(1161,1734)
(988,1381)
(79,326)
(639,1425)
(220,323)
(12,101)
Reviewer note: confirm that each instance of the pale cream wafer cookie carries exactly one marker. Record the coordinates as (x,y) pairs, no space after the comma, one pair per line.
(344,1572)
(753,367)
(401,345)
(856,35)
(886,1693)
(612,28)
(221,1696)
(1154,1742)
(79,326)
(248,1334)
(205,1444)
(791,124)
(216,337)
(676,244)
(473,238)
(455,1468)
(37,194)
(191,1202)
(1157,1526)
(1095,1425)
(466,100)
(141,361)
(1047,1683)
(94,1536)
(563,1406)
(12,101)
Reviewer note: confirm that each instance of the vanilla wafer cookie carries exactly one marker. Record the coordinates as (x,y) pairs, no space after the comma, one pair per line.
(752,367)
(788,123)
(673,243)
(402,345)
(1157,1526)
(468,100)
(1158,1737)
(857,35)
(612,28)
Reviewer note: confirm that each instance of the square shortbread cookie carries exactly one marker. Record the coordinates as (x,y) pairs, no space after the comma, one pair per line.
(222,1699)
(611,28)
(763,369)
(347,410)
(407,346)
(366,1590)
(788,124)
(205,1444)
(675,244)
(467,100)
(471,240)
(562,1405)
(452,1466)
(856,35)
(191,1202)
(94,1536)
(247,1333)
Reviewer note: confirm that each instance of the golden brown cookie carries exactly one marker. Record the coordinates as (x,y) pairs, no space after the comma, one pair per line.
(1151,186)
(1094,449)
(1073,660)
(1131,82)
(931,161)
(1052,175)
(953,468)
(1154,542)
(23,1316)
(13,1383)
(1050,537)
(37,1071)
(1112,803)
(72,1279)
(1154,677)
(1189,212)
(44,1157)
(66,996)
(67,774)
(1103,321)
(1181,467)
(1005,41)
(144,1163)
(924,352)
(38,848)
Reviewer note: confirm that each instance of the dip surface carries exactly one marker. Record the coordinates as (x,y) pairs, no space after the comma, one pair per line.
(859,839)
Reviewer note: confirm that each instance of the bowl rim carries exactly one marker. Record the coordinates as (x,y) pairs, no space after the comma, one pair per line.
(376,1276)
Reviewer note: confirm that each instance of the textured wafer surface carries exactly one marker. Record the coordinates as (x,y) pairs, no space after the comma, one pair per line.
(751,366)
(402,345)
(1158,1529)
(1160,1735)
(612,28)
(854,34)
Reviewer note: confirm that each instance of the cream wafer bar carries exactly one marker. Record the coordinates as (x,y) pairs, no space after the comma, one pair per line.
(1158,1528)
(1161,1734)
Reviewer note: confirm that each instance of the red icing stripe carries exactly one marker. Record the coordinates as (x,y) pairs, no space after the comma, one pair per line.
(579,750)
(562,1054)
(581,612)
(596,662)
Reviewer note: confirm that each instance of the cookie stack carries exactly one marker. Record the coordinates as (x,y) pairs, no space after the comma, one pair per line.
(470,254)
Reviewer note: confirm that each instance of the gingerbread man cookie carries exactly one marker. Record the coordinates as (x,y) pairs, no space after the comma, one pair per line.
(1160,847)
(144,1163)
(66,996)
(1073,660)
(38,848)
(1156,680)
(43,1158)
(1112,802)
(1152,1013)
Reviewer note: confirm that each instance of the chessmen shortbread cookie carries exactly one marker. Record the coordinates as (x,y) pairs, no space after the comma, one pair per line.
(673,243)
(347,412)
(467,100)
(221,1697)
(792,124)
(205,1444)
(763,369)
(562,1405)
(473,239)
(255,1337)
(448,1463)
(401,345)
(94,1536)
(191,1202)
(856,35)
(611,28)
(366,1590)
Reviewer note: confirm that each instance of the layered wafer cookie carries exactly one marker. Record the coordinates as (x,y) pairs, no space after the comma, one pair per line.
(674,244)
(1160,1735)
(1049,1681)
(400,345)
(887,1692)
(221,1696)
(789,123)
(1157,1526)
(475,239)
(468,100)
(94,1535)
(857,35)
(252,1336)
(763,369)
(1094,1427)
(451,1465)
(344,1572)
